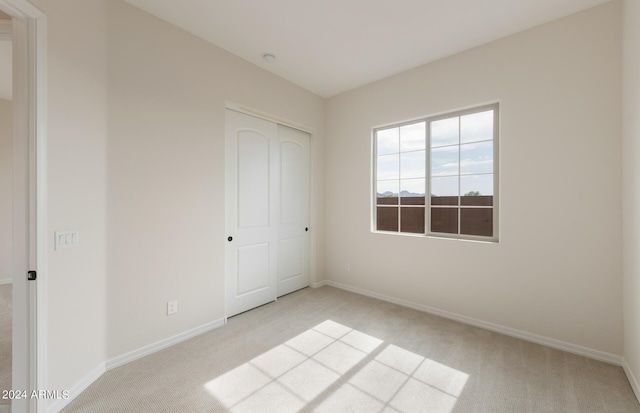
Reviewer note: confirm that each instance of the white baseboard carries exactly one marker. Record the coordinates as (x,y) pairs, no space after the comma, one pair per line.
(81,386)
(159,345)
(633,381)
(6,281)
(546,341)
(319,284)
(95,374)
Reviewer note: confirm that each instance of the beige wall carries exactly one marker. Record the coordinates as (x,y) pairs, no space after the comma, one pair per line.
(6,203)
(166,229)
(556,271)
(76,162)
(135,163)
(631,188)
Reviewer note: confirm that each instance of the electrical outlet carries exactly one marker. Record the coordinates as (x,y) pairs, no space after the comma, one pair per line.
(347,267)
(172,307)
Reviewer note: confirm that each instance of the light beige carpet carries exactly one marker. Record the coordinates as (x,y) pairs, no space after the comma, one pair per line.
(5,338)
(329,350)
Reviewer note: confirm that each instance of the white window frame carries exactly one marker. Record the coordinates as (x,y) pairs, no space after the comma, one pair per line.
(427,207)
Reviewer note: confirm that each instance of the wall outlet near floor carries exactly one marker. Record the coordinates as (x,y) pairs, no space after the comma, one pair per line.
(172,307)
(347,267)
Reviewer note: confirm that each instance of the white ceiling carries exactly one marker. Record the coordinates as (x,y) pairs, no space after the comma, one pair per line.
(331,46)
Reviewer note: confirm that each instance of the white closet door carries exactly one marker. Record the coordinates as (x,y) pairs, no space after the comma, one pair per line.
(293,232)
(251,211)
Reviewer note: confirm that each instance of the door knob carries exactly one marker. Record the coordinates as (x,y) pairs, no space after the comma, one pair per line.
(306,229)
(229,239)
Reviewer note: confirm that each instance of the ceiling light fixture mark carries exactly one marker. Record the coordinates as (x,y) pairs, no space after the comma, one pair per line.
(269,58)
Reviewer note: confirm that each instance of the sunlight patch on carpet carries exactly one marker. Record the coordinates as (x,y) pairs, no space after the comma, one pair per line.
(304,369)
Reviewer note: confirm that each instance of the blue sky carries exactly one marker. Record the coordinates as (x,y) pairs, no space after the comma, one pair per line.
(458,144)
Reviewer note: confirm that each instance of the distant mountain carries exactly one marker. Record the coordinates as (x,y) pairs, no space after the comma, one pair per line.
(389,194)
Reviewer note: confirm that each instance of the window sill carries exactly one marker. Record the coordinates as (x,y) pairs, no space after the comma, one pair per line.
(479,240)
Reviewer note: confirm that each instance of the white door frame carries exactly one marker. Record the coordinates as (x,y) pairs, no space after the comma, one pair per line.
(262,115)
(29,238)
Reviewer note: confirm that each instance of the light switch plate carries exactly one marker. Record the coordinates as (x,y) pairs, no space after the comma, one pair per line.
(69,238)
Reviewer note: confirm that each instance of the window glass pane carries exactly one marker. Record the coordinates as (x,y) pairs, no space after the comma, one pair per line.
(412,191)
(476,221)
(453,166)
(412,164)
(413,137)
(444,191)
(444,161)
(387,192)
(387,218)
(475,185)
(412,220)
(388,167)
(476,127)
(388,141)
(476,158)
(444,220)
(444,132)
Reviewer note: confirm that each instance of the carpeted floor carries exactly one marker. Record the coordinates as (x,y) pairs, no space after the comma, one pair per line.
(5,338)
(330,350)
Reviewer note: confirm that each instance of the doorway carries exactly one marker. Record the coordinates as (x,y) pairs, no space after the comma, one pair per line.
(6,207)
(28,189)
(266,211)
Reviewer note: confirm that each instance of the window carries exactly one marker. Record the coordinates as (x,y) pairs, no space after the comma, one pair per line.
(453,158)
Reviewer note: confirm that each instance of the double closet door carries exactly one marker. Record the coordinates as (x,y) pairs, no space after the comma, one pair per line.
(266,211)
